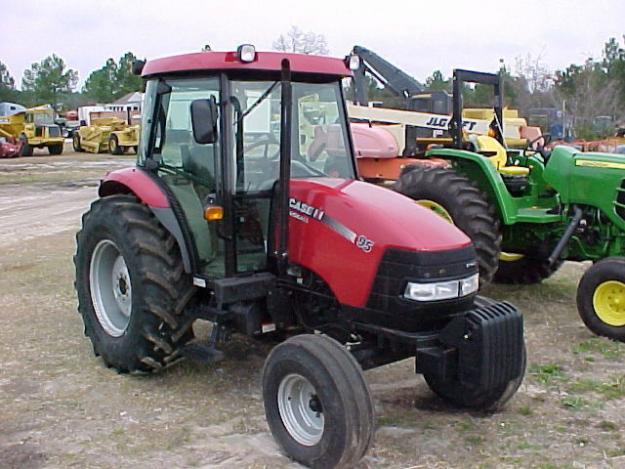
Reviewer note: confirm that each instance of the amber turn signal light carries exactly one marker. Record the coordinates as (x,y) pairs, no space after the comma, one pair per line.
(213,213)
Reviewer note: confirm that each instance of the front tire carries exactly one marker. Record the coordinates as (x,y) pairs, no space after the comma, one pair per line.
(459,395)
(131,286)
(76,143)
(317,402)
(601,298)
(55,149)
(459,201)
(114,147)
(26,150)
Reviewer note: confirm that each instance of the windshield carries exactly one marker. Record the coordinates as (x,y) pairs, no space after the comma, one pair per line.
(41,118)
(320,146)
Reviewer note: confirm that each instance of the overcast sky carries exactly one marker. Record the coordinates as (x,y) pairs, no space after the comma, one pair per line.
(418,36)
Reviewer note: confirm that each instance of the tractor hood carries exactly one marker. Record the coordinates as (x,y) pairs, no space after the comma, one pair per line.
(340,229)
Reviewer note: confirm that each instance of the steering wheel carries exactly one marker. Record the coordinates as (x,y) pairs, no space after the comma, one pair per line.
(266,142)
(546,138)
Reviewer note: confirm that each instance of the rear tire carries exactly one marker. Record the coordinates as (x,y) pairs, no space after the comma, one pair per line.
(333,424)
(55,149)
(456,198)
(114,147)
(525,271)
(76,143)
(136,322)
(460,395)
(601,298)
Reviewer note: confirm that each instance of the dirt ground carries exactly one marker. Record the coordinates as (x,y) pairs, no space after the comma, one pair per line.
(60,407)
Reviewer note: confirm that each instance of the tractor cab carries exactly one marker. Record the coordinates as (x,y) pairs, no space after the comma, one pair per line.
(215,142)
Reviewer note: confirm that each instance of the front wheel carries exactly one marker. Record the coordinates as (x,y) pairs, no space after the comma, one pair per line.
(317,402)
(26,150)
(76,143)
(458,394)
(131,286)
(55,149)
(114,147)
(601,298)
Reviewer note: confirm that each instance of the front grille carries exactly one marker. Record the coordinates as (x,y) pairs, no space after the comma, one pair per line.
(54,131)
(619,204)
(399,266)
(387,306)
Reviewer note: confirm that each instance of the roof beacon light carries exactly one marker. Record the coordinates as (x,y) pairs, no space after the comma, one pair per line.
(353,62)
(246,53)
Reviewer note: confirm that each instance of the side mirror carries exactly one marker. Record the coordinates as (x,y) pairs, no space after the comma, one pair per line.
(204,118)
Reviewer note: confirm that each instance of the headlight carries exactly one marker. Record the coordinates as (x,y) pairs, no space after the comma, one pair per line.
(469,285)
(437,291)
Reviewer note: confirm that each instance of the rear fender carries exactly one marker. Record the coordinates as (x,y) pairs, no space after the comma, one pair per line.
(480,170)
(137,182)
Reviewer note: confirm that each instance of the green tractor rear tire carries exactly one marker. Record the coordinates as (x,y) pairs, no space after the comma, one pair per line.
(131,285)
(601,298)
(524,270)
(459,201)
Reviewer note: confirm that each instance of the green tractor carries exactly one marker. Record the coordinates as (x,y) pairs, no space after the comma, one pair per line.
(529,211)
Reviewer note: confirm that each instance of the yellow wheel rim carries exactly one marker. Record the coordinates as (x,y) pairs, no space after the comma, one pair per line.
(436,208)
(510,256)
(609,302)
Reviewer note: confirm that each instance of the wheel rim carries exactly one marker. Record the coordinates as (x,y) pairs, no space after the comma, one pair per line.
(609,302)
(300,410)
(112,145)
(436,208)
(111,289)
(510,256)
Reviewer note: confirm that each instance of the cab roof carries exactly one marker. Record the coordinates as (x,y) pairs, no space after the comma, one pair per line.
(264,61)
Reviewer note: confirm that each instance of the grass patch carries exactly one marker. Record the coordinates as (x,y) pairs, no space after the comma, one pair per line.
(613,389)
(526,411)
(574,403)
(608,426)
(547,373)
(609,349)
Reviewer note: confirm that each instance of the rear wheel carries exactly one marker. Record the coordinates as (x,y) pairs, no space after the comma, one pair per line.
(456,199)
(601,298)
(114,147)
(317,402)
(524,270)
(76,143)
(55,149)
(458,394)
(132,289)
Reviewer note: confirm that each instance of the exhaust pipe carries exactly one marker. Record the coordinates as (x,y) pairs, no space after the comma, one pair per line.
(566,237)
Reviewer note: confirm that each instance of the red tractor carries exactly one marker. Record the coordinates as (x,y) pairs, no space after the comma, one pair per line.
(226,218)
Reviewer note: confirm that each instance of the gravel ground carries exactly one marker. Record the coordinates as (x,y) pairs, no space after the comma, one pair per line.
(60,407)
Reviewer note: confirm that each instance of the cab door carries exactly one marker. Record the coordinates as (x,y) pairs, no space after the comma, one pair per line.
(188,169)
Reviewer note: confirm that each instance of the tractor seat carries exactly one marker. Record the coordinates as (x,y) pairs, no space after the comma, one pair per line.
(496,154)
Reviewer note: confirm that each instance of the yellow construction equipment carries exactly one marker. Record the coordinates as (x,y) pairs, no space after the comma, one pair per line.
(107,134)
(35,128)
